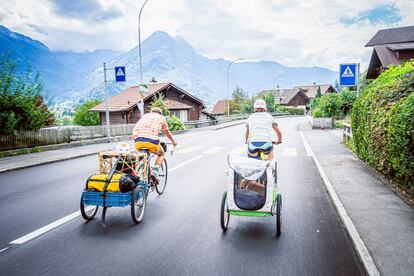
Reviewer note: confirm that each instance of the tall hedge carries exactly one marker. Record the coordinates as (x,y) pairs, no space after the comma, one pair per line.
(383,124)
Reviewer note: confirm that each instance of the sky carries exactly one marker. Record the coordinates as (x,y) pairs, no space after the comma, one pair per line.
(320,33)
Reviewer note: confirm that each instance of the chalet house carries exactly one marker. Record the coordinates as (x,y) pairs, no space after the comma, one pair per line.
(220,108)
(391,47)
(124,109)
(289,97)
(311,90)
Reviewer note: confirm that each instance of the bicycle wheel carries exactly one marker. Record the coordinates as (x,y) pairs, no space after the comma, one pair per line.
(88,212)
(138,204)
(278,215)
(162,177)
(224,214)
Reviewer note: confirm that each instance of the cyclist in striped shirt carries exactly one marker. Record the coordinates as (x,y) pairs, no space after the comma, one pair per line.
(146,135)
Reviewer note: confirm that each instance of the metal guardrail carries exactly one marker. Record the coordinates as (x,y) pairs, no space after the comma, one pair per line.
(346,132)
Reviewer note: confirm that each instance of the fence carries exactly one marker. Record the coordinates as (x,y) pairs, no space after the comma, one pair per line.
(346,132)
(59,135)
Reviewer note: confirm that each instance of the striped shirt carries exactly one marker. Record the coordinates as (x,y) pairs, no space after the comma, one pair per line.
(260,127)
(149,126)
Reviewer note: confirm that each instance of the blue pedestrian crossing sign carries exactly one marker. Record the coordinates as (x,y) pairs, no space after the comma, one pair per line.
(120,73)
(348,75)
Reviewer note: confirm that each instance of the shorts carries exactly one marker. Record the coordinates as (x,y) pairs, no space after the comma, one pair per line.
(255,148)
(153,146)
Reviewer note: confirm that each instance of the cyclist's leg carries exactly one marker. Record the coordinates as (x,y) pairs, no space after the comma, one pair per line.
(160,156)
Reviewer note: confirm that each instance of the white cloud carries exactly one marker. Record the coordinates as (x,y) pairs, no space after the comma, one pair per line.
(292,32)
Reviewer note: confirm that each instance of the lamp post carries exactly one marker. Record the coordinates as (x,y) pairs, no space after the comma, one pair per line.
(139,37)
(228,94)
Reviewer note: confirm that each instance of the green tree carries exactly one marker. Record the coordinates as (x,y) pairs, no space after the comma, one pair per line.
(159,102)
(318,92)
(84,117)
(21,104)
(239,97)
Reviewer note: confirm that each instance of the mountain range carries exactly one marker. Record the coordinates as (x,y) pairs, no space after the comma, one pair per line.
(70,77)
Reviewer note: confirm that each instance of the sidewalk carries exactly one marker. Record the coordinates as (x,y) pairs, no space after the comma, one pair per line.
(384,221)
(39,158)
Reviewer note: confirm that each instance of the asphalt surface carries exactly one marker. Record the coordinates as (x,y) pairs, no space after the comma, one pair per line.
(181,233)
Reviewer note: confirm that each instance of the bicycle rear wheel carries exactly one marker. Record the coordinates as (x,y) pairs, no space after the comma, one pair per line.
(162,177)
(138,204)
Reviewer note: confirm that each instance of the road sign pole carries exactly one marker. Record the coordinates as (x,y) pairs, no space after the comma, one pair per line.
(108,128)
(358,81)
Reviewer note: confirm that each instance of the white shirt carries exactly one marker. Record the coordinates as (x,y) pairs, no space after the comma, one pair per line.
(260,127)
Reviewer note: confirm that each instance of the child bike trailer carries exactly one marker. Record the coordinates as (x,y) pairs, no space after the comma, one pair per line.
(251,190)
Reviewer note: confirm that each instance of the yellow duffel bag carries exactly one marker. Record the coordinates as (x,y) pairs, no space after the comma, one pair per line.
(97,182)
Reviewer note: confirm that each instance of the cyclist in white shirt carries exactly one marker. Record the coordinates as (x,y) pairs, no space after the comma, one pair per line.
(259,131)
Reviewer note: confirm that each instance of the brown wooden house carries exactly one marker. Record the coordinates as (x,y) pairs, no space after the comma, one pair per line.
(311,90)
(123,107)
(391,47)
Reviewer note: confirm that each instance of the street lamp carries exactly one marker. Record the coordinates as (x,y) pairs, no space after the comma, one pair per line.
(228,94)
(139,37)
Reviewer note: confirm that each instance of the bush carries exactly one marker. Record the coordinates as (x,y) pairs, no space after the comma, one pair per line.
(175,124)
(330,105)
(84,117)
(291,110)
(383,124)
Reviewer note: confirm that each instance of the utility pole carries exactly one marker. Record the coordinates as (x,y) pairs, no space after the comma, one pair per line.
(139,38)
(228,93)
(108,128)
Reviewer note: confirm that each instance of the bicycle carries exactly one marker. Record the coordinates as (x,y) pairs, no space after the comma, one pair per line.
(145,170)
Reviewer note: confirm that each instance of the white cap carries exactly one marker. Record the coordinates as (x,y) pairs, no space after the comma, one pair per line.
(259,103)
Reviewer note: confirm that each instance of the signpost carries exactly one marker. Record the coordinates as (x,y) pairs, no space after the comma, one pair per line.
(119,76)
(119,73)
(349,75)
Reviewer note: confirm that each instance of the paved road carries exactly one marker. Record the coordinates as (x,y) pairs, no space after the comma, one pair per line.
(181,234)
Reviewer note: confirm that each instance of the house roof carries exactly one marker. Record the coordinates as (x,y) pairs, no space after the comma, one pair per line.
(395,35)
(121,101)
(287,94)
(220,107)
(132,95)
(311,90)
(400,46)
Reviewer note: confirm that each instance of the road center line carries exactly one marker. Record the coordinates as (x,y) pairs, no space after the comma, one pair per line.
(48,227)
(185,163)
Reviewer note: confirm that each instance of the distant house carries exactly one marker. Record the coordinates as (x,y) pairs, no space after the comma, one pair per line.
(123,107)
(391,47)
(292,97)
(220,108)
(289,97)
(311,90)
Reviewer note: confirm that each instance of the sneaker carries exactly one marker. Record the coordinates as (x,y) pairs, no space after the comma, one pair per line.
(155,176)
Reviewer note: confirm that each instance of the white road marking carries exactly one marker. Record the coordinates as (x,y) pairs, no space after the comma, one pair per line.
(290,152)
(48,227)
(185,163)
(4,249)
(305,144)
(362,250)
(188,149)
(213,150)
(238,150)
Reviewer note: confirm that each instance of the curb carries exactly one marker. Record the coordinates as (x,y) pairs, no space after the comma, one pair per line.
(46,162)
(359,245)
